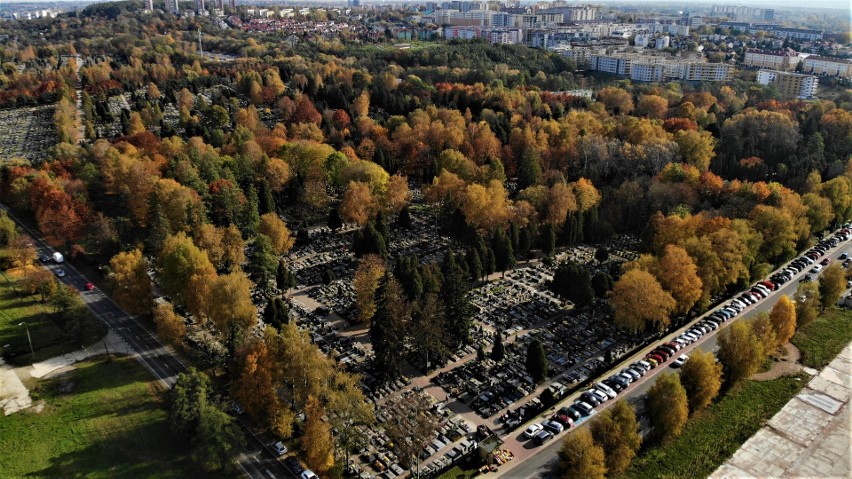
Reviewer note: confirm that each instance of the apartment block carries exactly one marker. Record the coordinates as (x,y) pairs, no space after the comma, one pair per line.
(707,72)
(789,85)
(828,66)
(783,60)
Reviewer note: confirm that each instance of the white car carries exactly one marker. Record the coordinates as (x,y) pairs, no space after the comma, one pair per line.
(532,430)
(606,389)
(60,273)
(680,361)
(279,448)
(308,474)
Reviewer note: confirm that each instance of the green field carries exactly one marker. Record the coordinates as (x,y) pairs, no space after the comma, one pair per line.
(48,339)
(713,435)
(102,420)
(823,339)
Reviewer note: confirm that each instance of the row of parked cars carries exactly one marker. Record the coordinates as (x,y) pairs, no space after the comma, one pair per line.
(608,389)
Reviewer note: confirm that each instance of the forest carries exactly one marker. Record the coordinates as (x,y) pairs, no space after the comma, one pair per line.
(218,168)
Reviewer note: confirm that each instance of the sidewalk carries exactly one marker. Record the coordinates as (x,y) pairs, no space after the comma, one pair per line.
(115,344)
(811,436)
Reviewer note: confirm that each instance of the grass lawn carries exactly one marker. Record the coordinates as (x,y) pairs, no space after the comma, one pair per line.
(48,338)
(825,337)
(102,420)
(713,435)
(458,473)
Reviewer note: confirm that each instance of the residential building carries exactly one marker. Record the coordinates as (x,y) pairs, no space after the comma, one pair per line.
(199,7)
(784,60)
(798,33)
(789,85)
(707,72)
(617,64)
(819,65)
(149,5)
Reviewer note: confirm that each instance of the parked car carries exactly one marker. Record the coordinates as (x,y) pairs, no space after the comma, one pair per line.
(606,389)
(59,272)
(680,361)
(562,419)
(308,474)
(590,398)
(294,465)
(554,427)
(236,408)
(584,407)
(279,448)
(543,436)
(532,430)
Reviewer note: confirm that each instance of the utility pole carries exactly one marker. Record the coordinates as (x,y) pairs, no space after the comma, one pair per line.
(200,50)
(29,338)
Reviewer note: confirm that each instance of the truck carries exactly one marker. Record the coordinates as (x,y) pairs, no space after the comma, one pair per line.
(57,257)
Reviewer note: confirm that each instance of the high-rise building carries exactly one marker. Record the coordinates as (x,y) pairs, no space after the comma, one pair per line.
(232,4)
(199,7)
(149,5)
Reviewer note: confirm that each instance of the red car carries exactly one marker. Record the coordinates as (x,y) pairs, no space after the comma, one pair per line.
(90,286)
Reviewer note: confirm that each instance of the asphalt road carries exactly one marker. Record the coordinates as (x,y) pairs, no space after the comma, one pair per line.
(258,462)
(543,462)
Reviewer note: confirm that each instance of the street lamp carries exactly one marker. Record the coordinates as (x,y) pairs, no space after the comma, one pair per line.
(29,338)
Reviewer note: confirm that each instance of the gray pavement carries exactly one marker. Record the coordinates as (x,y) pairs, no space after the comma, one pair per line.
(808,437)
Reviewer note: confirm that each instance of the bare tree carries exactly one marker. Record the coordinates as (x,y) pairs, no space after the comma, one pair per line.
(411,427)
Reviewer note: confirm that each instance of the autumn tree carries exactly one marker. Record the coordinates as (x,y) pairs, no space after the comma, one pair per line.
(616,430)
(358,204)
(229,305)
(832,283)
(370,270)
(807,303)
(170,326)
(667,406)
(741,351)
(185,272)
(580,457)
(349,413)
(678,274)
(783,318)
(652,106)
(701,377)
(274,227)
(696,148)
(254,386)
(639,302)
(317,441)
(616,100)
(130,282)
(486,208)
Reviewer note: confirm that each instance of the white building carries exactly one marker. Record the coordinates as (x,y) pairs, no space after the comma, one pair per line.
(789,85)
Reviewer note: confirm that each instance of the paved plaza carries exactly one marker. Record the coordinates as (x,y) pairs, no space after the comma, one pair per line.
(809,437)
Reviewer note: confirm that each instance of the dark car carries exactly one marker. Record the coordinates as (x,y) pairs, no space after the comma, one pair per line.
(590,398)
(294,465)
(571,413)
(825,262)
(543,436)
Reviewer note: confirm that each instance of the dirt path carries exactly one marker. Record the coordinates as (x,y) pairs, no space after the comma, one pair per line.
(785,365)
